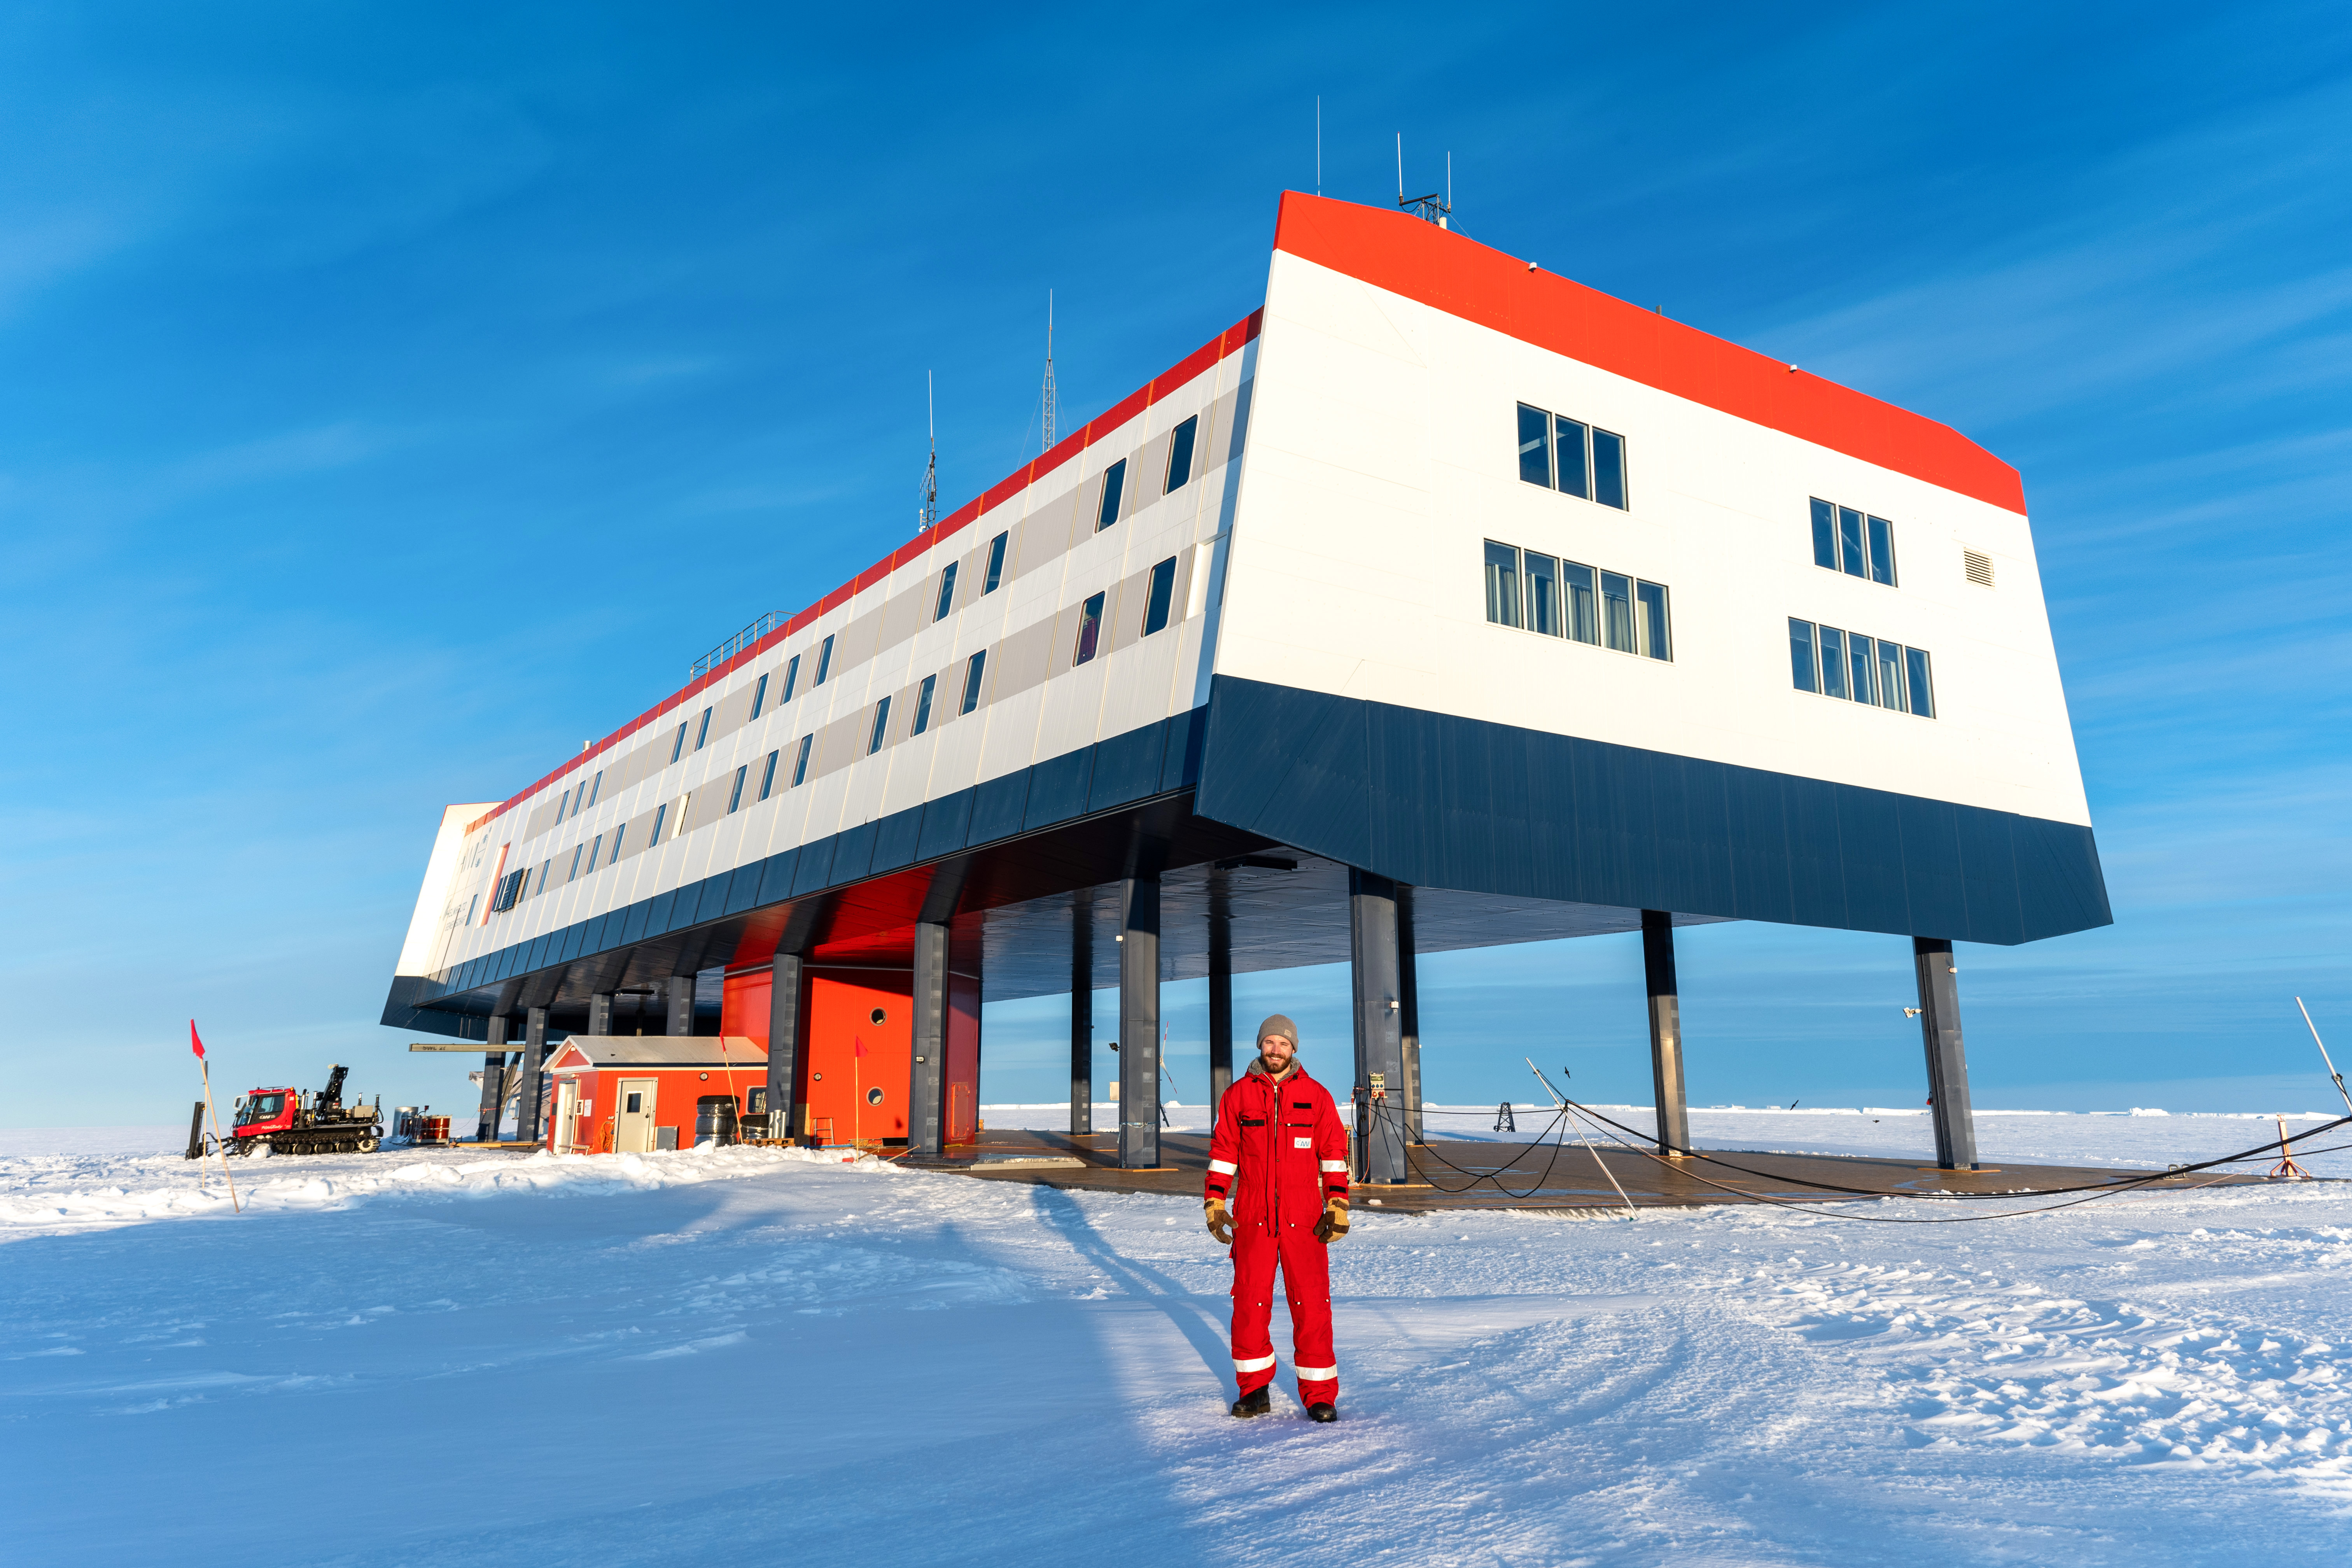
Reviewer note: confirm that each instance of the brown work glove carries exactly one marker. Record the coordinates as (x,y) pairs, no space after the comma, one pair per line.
(1334,1223)
(1221,1223)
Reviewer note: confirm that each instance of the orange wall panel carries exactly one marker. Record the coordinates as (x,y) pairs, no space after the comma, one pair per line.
(861,1045)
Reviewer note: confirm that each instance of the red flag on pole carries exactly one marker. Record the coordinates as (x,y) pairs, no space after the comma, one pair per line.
(857,1045)
(196,1041)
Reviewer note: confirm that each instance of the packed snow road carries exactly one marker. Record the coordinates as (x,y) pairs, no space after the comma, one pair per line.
(747,1356)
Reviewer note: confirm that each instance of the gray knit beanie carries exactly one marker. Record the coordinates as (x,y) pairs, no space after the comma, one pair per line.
(1278,1024)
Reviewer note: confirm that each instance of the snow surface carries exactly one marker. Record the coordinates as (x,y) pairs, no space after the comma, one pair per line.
(749,1355)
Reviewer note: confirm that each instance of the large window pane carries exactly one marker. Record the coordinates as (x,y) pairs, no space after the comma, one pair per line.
(1657,638)
(1114,482)
(1802,668)
(1923,684)
(1089,629)
(1890,675)
(1834,670)
(1543,593)
(1850,550)
(1824,534)
(1156,602)
(1575,466)
(1502,584)
(1617,612)
(1180,454)
(1534,443)
(1608,468)
(1577,602)
(1861,663)
(1882,551)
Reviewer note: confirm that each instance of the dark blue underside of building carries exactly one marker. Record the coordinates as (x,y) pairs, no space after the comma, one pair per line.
(1444,801)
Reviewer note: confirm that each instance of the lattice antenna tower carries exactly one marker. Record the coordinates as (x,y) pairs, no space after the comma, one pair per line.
(928,513)
(1049,372)
(1436,207)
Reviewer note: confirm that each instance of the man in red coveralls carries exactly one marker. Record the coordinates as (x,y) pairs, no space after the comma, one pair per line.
(1279,1133)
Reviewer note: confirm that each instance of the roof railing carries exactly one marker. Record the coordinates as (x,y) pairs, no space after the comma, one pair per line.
(736,644)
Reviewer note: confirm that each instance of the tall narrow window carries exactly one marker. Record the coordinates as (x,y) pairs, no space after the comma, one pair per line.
(703,733)
(573,874)
(661,814)
(1833,666)
(947,593)
(1882,551)
(923,706)
(1502,584)
(792,679)
(1802,668)
(881,730)
(594,790)
(824,662)
(1608,468)
(1535,446)
(543,866)
(1657,638)
(595,849)
(677,747)
(1089,630)
(1851,557)
(735,795)
(768,774)
(801,761)
(995,563)
(972,671)
(1575,469)
(618,833)
(1162,593)
(1824,534)
(1861,663)
(759,697)
(1617,612)
(1922,685)
(1114,480)
(1577,601)
(562,805)
(1180,454)
(1543,594)
(1890,677)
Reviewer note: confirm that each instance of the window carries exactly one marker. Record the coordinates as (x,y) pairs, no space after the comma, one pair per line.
(1583,623)
(543,868)
(1837,663)
(594,850)
(1542,574)
(593,791)
(1502,584)
(923,706)
(801,761)
(1114,480)
(947,593)
(562,805)
(1848,540)
(677,747)
(824,662)
(1180,455)
(618,833)
(661,814)
(1571,456)
(881,727)
(768,774)
(573,875)
(703,733)
(995,563)
(792,679)
(972,672)
(1657,640)
(1617,611)
(735,795)
(1089,630)
(1156,600)
(759,696)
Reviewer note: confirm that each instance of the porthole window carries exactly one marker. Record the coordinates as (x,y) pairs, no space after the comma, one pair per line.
(877,1016)
(873,1097)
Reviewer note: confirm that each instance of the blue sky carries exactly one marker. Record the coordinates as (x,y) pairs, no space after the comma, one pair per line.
(394,396)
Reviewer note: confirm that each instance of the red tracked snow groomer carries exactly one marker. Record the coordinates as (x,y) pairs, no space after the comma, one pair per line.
(288,1121)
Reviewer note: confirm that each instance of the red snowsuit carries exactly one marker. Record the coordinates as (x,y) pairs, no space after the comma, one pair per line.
(1288,1146)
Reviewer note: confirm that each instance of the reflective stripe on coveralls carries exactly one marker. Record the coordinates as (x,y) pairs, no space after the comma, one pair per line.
(1278,1152)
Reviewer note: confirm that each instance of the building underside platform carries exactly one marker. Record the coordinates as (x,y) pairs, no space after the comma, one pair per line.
(1558,1176)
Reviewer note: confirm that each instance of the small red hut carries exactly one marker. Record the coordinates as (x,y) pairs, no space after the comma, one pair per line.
(633,1094)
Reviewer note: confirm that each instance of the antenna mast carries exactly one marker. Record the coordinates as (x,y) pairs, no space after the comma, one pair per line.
(929,512)
(1436,207)
(1049,373)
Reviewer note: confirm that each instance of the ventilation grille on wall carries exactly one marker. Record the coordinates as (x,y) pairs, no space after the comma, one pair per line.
(1980,567)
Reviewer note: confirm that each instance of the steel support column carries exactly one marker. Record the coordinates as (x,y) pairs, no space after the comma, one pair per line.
(678,992)
(494,1081)
(600,1012)
(1409,1011)
(528,1106)
(1948,1063)
(783,1042)
(1221,997)
(1138,1022)
(1082,1015)
(1380,1043)
(1666,1031)
(927,1073)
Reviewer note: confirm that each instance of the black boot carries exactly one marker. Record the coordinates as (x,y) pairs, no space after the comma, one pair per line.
(1257,1402)
(1321,1412)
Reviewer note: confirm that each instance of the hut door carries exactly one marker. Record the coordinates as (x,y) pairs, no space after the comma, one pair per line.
(633,1117)
(567,1108)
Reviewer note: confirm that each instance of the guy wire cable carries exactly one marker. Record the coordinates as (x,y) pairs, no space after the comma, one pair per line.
(1479,1178)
